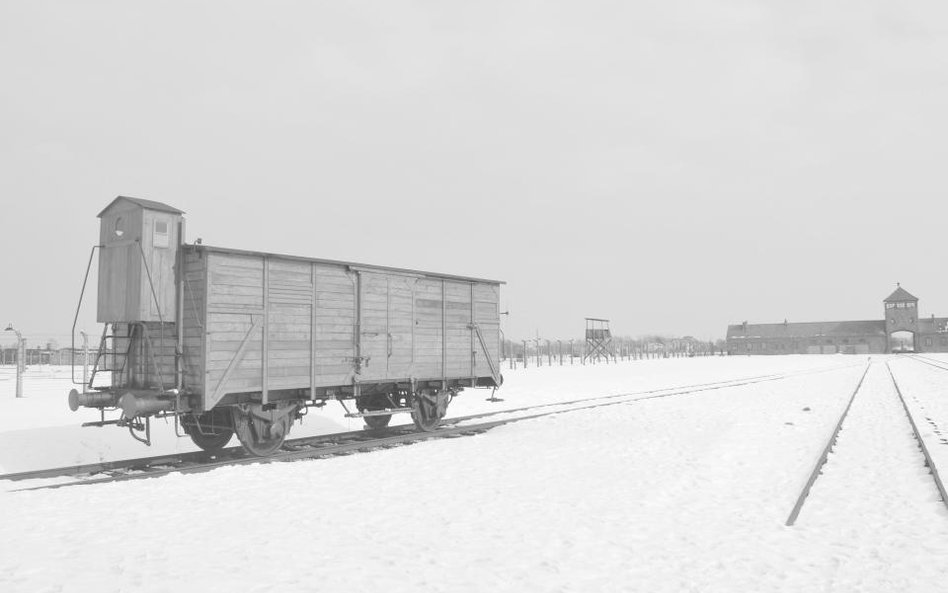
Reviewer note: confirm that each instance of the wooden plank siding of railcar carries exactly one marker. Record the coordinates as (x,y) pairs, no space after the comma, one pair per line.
(458,331)
(289,322)
(235,312)
(429,328)
(290,327)
(401,325)
(156,365)
(194,317)
(335,320)
(487,317)
(299,320)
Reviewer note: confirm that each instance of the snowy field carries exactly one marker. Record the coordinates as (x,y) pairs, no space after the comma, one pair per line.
(685,493)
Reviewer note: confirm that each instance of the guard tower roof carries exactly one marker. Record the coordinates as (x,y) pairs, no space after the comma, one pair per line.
(900,295)
(147,204)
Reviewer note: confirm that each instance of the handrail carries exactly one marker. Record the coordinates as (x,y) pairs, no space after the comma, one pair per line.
(75,319)
(490,362)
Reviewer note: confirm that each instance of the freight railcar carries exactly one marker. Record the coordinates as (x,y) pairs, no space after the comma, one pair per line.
(231,341)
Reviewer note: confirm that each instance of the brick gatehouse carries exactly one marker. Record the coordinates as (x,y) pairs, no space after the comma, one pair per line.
(902,330)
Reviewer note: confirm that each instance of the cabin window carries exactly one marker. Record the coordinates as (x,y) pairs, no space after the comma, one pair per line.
(162,237)
(118,228)
(928,341)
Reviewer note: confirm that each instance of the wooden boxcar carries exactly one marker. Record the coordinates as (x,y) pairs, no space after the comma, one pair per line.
(244,341)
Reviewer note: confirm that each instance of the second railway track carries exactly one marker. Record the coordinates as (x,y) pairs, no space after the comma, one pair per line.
(821,465)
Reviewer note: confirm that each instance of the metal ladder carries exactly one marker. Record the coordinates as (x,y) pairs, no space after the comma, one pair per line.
(102,356)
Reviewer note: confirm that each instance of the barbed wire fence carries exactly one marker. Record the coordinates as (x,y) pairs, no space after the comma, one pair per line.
(540,352)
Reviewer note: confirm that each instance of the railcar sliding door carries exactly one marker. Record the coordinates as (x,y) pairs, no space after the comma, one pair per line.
(385,320)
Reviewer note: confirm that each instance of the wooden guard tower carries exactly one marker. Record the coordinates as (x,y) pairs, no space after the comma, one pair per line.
(598,340)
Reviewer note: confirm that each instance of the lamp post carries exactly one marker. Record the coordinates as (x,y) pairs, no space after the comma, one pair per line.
(20,348)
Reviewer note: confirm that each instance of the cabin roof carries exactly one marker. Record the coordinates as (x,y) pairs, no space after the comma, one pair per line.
(146,204)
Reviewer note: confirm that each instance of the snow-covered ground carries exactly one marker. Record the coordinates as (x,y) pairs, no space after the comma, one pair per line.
(685,493)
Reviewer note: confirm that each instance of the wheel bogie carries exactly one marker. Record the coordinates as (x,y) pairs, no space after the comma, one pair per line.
(210,431)
(429,407)
(262,432)
(377,422)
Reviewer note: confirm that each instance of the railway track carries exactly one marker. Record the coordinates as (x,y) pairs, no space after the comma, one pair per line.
(933,362)
(943,366)
(355,441)
(818,468)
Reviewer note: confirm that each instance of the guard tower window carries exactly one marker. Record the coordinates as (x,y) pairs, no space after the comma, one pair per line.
(910,305)
(161,237)
(890,305)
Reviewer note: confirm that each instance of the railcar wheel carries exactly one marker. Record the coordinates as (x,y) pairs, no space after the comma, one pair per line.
(377,422)
(211,432)
(262,432)
(428,408)
(374,403)
(211,443)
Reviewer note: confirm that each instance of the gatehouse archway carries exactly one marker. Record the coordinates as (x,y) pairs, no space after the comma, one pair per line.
(902,341)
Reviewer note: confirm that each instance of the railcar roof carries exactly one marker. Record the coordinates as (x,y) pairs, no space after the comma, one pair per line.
(213,249)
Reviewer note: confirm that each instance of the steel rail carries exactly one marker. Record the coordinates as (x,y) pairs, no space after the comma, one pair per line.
(928,361)
(792,518)
(323,445)
(142,463)
(921,442)
(366,444)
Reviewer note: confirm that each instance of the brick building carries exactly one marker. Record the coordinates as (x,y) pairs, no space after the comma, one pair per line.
(902,330)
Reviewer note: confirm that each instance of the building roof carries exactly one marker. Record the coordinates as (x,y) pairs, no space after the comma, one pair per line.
(900,295)
(809,329)
(147,204)
(932,325)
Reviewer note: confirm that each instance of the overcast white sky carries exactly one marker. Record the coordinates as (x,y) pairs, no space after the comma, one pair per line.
(674,166)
